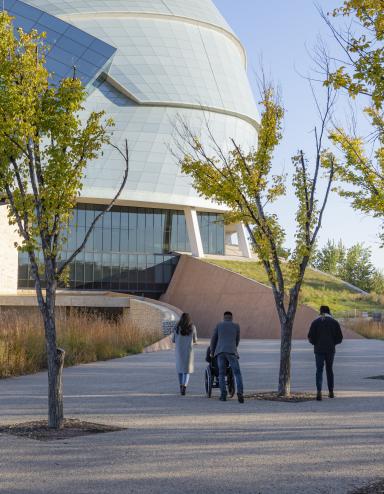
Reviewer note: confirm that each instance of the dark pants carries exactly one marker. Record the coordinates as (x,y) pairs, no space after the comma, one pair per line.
(233,361)
(327,359)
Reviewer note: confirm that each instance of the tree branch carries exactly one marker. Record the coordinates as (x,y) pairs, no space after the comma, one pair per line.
(101,214)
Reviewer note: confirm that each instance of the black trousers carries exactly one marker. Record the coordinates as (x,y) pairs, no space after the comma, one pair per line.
(327,359)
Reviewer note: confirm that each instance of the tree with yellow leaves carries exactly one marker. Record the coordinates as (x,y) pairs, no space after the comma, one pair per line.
(242,180)
(44,149)
(361,74)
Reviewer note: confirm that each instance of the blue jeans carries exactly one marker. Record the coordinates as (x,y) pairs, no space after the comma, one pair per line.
(327,359)
(233,361)
(183,379)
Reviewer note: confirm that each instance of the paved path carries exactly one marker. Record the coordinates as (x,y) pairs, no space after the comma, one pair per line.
(195,445)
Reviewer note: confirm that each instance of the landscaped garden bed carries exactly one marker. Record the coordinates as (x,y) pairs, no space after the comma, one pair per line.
(294,397)
(71,428)
(85,337)
(376,488)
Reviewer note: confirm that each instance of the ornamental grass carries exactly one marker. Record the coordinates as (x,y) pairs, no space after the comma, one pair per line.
(85,336)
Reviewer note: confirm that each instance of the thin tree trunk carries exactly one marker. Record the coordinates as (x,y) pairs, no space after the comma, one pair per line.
(55,357)
(284,388)
(55,385)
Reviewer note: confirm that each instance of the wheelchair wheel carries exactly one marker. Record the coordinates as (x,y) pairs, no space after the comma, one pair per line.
(208,382)
(231,383)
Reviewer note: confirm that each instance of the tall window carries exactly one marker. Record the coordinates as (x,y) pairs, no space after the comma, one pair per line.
(130,249)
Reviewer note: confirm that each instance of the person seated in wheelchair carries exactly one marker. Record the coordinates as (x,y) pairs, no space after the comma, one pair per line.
(213,366)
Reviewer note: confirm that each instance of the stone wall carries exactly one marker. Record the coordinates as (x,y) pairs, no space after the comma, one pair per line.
(149,316)
(9,254)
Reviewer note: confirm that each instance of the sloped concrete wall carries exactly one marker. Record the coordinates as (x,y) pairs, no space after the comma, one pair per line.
(206,291)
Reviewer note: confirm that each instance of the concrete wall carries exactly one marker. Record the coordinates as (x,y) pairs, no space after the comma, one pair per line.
(9,254)
(150,314)
(206,291)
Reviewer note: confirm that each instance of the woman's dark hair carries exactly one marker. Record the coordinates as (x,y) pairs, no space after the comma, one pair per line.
(185,325)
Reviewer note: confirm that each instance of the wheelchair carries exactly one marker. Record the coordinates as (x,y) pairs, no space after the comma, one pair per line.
(211,377)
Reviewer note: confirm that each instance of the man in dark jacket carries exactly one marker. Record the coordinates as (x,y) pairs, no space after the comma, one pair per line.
(324,334)
(224,343)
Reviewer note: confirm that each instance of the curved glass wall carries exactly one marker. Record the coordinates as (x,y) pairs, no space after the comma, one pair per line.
(130,249)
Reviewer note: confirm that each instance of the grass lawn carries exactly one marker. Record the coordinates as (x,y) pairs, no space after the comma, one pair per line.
(318,289)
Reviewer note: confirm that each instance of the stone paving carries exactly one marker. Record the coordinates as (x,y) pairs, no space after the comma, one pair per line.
(193,444)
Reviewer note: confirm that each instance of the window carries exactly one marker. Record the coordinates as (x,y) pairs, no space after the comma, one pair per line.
(129,248)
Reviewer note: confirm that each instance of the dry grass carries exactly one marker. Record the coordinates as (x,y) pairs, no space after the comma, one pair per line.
(86,337)
(366,327)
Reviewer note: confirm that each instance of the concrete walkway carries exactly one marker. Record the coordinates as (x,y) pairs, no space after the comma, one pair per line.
(195,445)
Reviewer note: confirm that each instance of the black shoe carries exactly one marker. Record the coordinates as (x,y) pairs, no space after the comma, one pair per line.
(183,390)
(240,397)
(331,394)
(223,397)
(318,396)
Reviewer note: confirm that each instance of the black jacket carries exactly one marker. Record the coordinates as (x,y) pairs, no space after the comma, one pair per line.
(325,333)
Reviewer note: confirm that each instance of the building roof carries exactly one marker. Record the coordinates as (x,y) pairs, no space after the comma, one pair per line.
(200,10)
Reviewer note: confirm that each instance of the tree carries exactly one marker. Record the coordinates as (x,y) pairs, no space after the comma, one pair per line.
(361,74)
(330,257)
(44,148)
(377,282)
(357,267)
(243,181)
(353,265)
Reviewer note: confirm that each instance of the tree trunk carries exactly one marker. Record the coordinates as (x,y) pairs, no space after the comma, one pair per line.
(55,387)
(285,359)
(55,357)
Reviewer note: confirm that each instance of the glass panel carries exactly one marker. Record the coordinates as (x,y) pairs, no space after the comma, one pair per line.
(120,252)
(107,239)
(89,217)
(115,219)
(107,220)
(98,239)
(115,240)
(124,218)
(124,241)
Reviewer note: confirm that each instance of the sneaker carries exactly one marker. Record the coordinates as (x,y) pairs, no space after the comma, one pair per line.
(240,397)
(319,397)
(223,398)
(331,394)
(183,390)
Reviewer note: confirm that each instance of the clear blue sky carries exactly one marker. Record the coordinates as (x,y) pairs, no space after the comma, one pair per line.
(282,32)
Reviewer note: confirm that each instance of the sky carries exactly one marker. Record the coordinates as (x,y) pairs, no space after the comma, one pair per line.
(282,33)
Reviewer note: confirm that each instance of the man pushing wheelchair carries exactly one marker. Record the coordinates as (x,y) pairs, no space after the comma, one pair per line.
(224,343)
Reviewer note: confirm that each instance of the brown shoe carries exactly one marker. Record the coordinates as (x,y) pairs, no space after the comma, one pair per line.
(319,397)
(331,394)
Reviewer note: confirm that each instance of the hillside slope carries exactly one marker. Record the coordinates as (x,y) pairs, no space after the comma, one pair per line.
(318,289)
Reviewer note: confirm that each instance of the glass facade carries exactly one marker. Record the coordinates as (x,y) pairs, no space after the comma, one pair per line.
(130,249)
(69,45)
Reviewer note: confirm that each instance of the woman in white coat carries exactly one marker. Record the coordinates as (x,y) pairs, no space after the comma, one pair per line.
(184,336)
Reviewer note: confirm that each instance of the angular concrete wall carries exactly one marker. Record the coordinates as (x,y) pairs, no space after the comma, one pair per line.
(9,254)
(206,291)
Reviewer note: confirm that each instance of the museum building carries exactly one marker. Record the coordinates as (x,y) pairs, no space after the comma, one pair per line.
(148,64)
